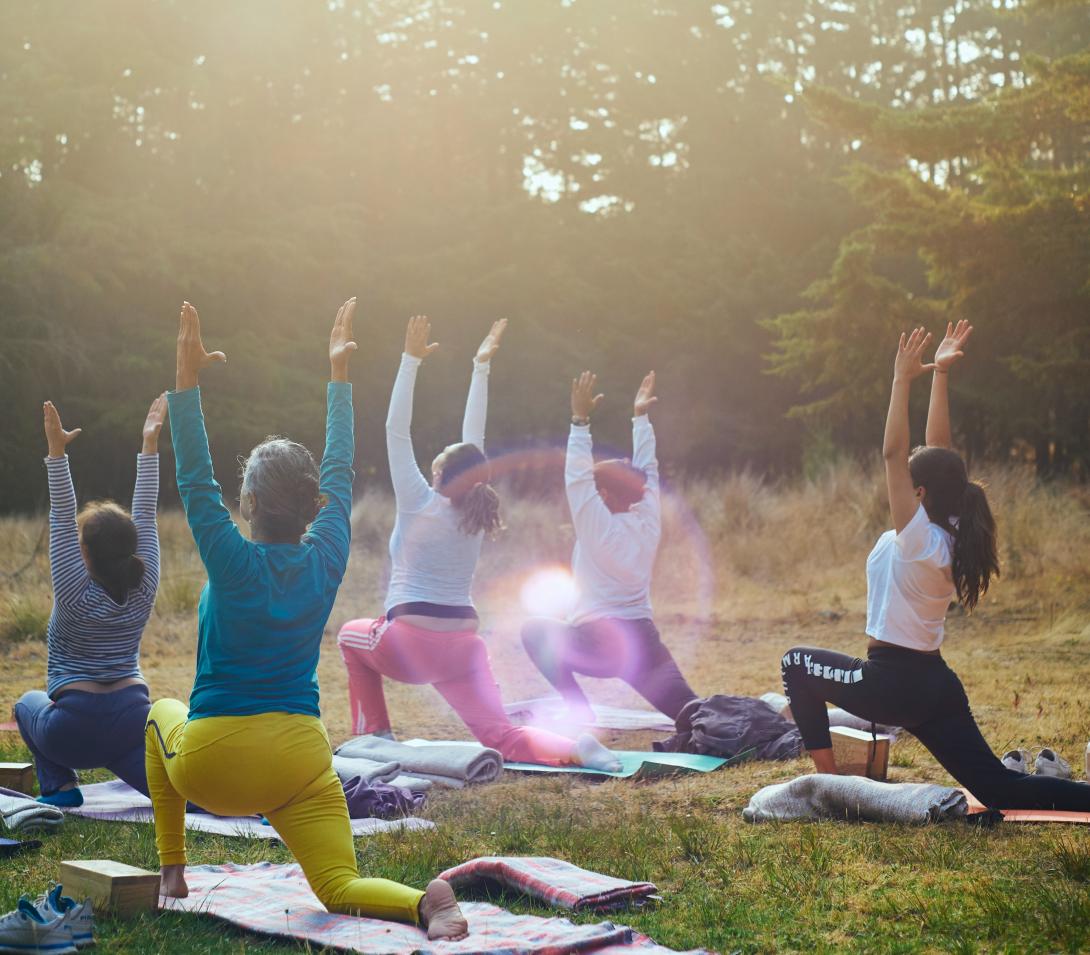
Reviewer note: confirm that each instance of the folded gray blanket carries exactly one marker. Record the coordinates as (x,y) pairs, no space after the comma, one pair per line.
(23,813)
(824,796)
(454,765)
(376,771)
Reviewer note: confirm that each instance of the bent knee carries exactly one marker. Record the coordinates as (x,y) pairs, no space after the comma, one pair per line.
(794,657)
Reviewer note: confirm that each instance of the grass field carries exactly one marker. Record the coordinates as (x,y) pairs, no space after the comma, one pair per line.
(745,571)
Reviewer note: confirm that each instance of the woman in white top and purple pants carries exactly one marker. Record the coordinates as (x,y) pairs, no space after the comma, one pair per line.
(942,548)
(617,517)
(428,633)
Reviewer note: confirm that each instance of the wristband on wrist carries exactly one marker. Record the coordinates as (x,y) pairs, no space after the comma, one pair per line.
(580,420)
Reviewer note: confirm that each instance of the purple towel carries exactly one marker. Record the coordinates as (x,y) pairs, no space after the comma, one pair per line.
(379,800)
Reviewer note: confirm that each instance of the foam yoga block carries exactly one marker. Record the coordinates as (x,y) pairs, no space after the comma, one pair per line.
(123,889)
(857,753)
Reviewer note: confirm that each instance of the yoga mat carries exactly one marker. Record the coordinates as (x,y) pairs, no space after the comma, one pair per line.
(634,764)
(1029,815)
(551,710)
(274,899)
(116,801)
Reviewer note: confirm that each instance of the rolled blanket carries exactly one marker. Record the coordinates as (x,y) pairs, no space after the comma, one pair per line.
(447,765)
(22,813)
(553,881)
(379,801)
(375,771)
(825,796)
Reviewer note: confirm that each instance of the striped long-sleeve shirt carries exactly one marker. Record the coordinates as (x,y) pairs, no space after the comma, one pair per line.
(91,636)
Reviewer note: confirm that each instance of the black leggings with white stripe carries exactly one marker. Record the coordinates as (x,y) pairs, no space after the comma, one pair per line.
(920,692)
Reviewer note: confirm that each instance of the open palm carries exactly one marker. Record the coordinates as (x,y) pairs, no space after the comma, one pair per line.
(951,347)
(491,343)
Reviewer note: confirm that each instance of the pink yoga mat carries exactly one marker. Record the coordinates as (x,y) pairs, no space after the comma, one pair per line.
(1029,815)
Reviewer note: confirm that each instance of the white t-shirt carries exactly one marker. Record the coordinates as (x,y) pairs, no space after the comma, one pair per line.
(431,559)
(614,553)
(910,584)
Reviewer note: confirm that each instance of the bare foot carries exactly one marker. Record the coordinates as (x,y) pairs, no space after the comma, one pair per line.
(440,914)
(594,755)
(172,881)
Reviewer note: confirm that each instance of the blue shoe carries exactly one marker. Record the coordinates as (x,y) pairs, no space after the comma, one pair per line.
(26,932)
(64,798)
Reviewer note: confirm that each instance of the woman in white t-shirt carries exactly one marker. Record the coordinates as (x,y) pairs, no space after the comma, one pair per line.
(428,632)
(942,548)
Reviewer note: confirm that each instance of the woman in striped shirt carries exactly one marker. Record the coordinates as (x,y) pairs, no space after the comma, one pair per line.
(105,568)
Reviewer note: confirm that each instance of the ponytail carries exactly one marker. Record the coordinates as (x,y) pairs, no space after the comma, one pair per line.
(480,511)
(975,558)
(109,537)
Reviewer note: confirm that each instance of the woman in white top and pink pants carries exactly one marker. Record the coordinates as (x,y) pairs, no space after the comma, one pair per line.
(428,633)
(942,548)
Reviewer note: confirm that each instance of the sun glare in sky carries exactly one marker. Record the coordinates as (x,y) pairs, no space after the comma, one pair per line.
(549,592)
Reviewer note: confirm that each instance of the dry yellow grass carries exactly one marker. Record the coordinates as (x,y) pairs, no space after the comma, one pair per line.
(746,569)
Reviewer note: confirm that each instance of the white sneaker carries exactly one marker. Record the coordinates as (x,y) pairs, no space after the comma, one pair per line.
(76,915)
(1051,763)
(26,932)
(1017,759)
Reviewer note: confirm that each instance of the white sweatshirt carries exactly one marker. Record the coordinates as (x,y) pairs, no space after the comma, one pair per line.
(614,553)
(431,559)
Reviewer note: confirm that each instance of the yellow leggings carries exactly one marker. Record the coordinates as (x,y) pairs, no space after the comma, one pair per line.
(277,764)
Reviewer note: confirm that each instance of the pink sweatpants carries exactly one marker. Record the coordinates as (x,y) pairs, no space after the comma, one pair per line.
(456,664)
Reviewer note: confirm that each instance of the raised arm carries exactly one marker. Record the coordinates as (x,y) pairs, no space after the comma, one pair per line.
(332,528)
(221,545)
(410,487)
(643,438)
(477,403)
(589,514)
(903,502)
(66,565)
(946,356)
(145,495)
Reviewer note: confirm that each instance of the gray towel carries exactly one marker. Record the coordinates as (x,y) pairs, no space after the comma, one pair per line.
(23,813)
(375,771)
(824,796)
(454,765)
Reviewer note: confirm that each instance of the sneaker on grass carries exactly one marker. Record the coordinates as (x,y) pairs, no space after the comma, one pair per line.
(1017,759)
(1051,763)
(76,915)
(26,931)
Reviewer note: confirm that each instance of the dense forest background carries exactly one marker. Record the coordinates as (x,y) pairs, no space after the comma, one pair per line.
(752,197)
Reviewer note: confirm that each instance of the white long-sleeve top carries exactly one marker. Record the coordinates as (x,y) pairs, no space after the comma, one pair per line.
(432,559)
(614,553)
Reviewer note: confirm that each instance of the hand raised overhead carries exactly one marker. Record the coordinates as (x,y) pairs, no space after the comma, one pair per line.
(645,396)
(57,438)
(153,424)
(950,348)
(909,364)
(583,397)
(191,354)
(341,344)
(416,337)
(491,343)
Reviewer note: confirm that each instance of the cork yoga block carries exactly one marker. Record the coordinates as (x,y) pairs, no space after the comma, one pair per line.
(17,776)
(857,753)
(122,889)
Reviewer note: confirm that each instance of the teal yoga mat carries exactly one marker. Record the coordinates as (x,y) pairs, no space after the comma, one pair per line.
(634,764)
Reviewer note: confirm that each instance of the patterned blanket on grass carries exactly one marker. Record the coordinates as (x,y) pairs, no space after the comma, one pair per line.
(116,801)
(276,900)
(554,881)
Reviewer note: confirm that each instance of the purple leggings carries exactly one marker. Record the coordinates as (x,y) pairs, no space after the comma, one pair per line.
(610,647)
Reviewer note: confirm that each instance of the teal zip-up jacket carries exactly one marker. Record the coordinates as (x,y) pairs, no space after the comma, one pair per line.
(263,611)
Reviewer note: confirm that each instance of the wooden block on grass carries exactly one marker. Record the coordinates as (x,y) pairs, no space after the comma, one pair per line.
(123,889)
(17,776)
(857,753)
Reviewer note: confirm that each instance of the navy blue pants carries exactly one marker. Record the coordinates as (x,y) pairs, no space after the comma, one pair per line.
(81,730)
(900,687)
